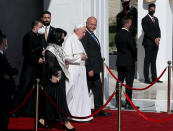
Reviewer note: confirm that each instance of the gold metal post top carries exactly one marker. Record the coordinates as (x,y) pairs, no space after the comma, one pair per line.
(169,62)
(150,1)
(38,80)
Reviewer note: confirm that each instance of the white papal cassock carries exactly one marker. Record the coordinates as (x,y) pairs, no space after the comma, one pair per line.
(76,88)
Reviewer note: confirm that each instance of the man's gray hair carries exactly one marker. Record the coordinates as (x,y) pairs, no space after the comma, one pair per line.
(77,27)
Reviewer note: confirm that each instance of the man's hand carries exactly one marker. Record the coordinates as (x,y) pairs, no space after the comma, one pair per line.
(67,64)
(43,53)
(91,74)
(157,41)
(83,56)
(40,61)
(6,77)
(54,80)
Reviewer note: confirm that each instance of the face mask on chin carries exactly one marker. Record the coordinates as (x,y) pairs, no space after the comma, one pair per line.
(41,31)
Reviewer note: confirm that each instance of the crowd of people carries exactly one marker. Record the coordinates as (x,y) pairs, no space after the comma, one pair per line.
(69,70)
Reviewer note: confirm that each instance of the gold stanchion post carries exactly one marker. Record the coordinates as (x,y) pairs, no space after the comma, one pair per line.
(37,105)
(103,79)
(169,87)
(119,105)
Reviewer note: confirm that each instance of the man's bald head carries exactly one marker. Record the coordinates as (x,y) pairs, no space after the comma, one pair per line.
(91,24)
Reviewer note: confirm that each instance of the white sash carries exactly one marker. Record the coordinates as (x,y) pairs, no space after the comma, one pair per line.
(60,56)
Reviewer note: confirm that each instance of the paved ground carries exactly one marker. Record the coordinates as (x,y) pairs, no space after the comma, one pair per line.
(153,99)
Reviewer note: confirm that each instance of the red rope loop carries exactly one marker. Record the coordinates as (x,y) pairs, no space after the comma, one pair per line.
(144,116)
(64,113)
(24,101)
(136,88)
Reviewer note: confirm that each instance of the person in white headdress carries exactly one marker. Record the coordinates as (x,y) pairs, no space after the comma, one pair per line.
(76,88)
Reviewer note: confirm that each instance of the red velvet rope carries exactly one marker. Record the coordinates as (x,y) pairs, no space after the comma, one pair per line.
(60,110)
(25,100)
(136,88)
(144,116)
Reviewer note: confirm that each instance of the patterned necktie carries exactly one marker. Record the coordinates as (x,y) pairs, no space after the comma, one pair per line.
(94,37)
(154,22)
(45,33)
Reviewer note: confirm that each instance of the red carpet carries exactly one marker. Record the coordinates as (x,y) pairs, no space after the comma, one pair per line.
(131,121)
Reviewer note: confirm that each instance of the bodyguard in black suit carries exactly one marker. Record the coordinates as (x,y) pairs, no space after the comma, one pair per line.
(128,11)
(32,65)
(7,85)
(94,64)
(126,57)
(152,34)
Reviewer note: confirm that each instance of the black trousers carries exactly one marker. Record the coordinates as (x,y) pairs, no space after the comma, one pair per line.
(5,102)
(126,73)
(95,85)
(150,60)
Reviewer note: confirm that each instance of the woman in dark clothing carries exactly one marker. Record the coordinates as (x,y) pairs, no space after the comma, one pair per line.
(57,73)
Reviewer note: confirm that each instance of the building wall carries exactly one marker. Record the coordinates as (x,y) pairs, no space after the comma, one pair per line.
(16,19)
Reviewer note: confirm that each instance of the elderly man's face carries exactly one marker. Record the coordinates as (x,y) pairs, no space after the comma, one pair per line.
(91,25)
(81,32)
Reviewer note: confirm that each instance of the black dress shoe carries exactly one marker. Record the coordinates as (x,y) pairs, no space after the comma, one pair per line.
(103,113)
(159,81)
(15,115)
(43,126)
(148,82)
(128,106)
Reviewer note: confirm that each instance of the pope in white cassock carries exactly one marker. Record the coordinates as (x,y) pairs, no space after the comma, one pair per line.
(76,88)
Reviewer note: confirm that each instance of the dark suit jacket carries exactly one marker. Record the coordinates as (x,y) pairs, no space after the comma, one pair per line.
(43,41)
(151,31)
(93,50)
(5,68)
(126,48)
(32,48)
(7,87)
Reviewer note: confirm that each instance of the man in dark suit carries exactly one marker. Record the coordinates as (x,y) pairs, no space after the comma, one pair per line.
(7,85)
(32,68)
(126,57)
(94,64)
(46,19)
(152,34)
(128,11)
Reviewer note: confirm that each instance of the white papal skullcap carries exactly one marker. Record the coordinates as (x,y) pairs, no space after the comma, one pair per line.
(79,26)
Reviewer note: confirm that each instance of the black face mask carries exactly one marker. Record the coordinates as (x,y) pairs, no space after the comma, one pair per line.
(151,12)
(46,23)
(127,8)
(60,42)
